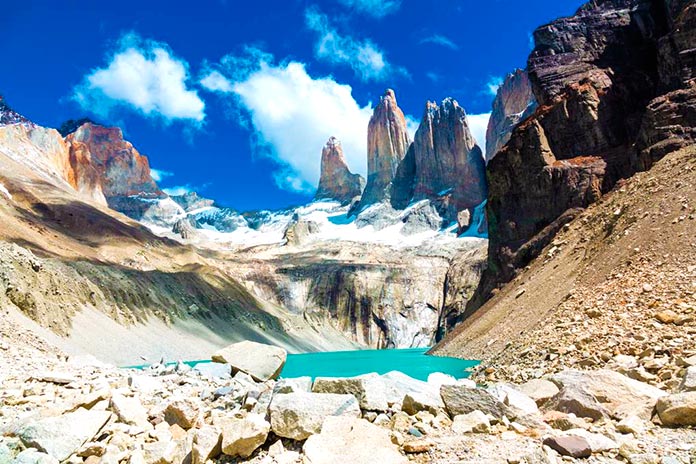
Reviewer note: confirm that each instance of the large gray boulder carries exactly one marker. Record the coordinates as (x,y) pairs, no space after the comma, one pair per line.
(678,409)
(400,385)
(576,400)
(460,399)
(262,362)
(370,390)
(243,434)
(61,436)
(688,383)
(540,390)
(298,415)
(351,440)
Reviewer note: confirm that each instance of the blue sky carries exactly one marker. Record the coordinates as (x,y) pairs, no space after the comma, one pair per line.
(236,99)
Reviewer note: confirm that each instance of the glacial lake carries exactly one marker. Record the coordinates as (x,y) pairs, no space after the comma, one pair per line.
(411,361)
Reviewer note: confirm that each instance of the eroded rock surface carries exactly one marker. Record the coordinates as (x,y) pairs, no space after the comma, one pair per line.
(336,182)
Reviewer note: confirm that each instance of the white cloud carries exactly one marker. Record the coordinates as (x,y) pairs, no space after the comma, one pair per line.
(145,76)
(158,175)
(435,77)
(478,123)
(366,58)
(216,82)
(411,125)
(493,84)
(441,40)
(293,115)
(179,190)
(374,8)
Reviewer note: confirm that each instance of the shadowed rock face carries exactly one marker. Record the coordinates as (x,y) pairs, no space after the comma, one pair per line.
(513,103)
(336,181)
(387,143)
(614,97)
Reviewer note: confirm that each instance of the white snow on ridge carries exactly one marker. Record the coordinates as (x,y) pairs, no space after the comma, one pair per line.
(6,192)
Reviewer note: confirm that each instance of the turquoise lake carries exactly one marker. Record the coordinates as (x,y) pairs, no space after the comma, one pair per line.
(412,361)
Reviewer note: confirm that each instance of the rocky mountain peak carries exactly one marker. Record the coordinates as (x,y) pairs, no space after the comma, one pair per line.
(8,115)
(444,161)
(336,181)
(514,102)
(71,125)
(387,143)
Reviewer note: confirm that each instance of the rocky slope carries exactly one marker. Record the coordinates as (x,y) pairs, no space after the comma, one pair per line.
(336,182)
(607,107)
(387,143)
(514,102)
(443,164)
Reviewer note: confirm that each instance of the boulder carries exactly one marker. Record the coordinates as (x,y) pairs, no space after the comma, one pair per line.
(514,398)
(145,384)
(678,409)
(32,456)
(243,434)
(63,435)
(205,444)
(351,440)
(460,399)
(415,402)
(475,421)
(575,400)
(631,424)
(613,390)
(573,446)
(399,384)
(299,384)
(262,362)
(299,415)
(130,410)
(598,443)
(688,383)
(370,390)
(539,390)
(213,370)
(183,412)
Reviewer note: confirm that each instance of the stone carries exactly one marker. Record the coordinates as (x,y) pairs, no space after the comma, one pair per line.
(667,317)
(643,458)
(573,446)
(678,409)
(32,456)
(145,384)
(299,415)
(213,370)
(514,398)
(93,448)
(399,384)
(473,422)
(613,390)
(59,378)
(336,182)
(461,399)
(688,383)
(540,390)
(183,412)
(562,421)
(243,434)
(298,384)
(62,436)
(262,362)
(420,401)
(575,400)
(130,410)
(369,389)
(352,440)
(206,444)
(598,443)
(422,445)
(165,452)
(631,424)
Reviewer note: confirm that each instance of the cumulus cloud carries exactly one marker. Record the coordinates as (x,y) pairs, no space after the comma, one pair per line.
(366,58)
(492,85)
(179,190)
(374,8)
(158,175)
(216,82)
(411,125)
(441,40)
(478,123)
(145,76)
(293,114)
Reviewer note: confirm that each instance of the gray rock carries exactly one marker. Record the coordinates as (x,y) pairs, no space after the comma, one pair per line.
(539,390)
(598,443)
(399,384)
(351,440)
(572,399)
(631,424)
(514,398)
(298,384)
(461,399)
(678,409)
(370,390)
(183,412)
(63,435)
(262,362)
(299,415)
(244,434)
(206,444)
(415,402)
(129,410)
(213,370)
(422,217)
(32,456)
(573,446)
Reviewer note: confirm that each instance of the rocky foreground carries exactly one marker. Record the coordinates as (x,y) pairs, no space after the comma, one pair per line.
(56,408)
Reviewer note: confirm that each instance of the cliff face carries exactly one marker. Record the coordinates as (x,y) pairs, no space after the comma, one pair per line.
(513,103)
(336,181)
(607,107)
(387,143)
